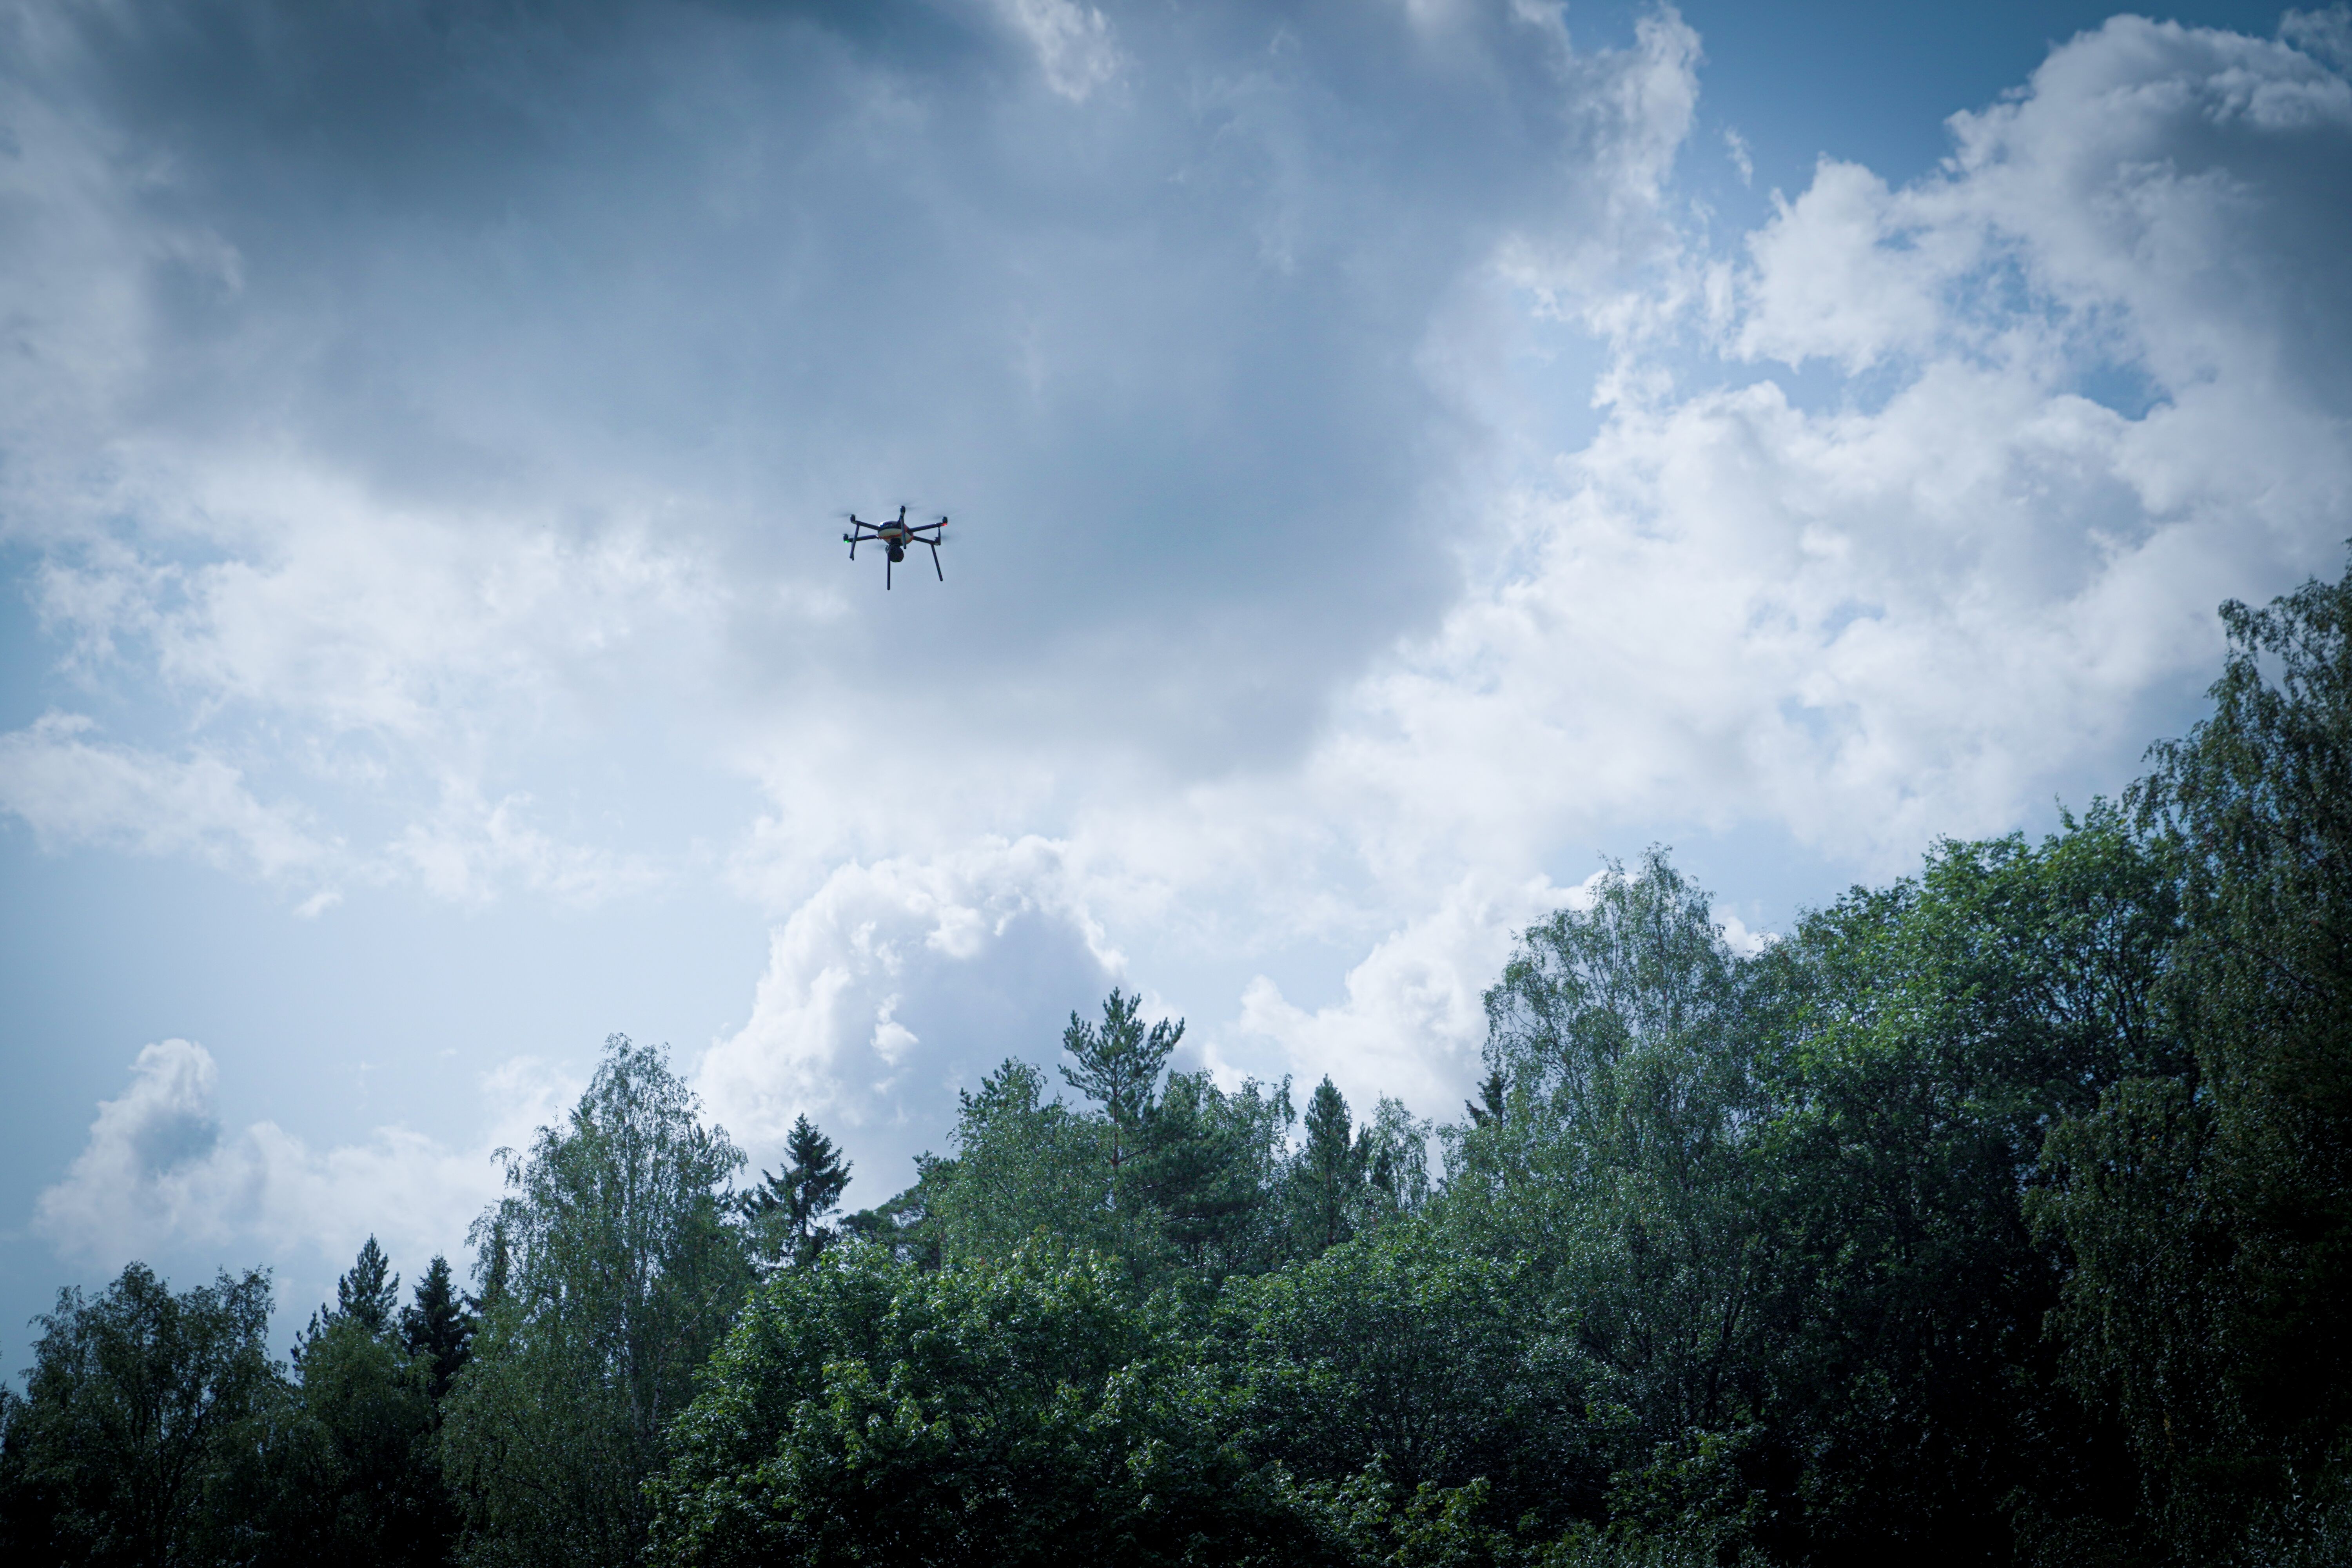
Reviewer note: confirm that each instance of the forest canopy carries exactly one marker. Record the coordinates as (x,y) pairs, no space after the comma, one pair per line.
(1999,1214)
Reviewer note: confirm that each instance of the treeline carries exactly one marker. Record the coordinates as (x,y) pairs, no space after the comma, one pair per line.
(2002,1216)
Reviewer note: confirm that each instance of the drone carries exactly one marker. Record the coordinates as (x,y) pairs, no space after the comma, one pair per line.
(895,537)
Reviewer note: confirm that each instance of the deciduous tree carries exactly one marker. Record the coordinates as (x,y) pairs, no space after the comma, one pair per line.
(621,1271)
(140,1407)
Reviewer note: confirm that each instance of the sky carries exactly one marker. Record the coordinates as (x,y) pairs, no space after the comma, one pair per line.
(1401,454)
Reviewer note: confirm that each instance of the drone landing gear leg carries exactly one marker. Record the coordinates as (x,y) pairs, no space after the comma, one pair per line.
(886,576)
(935,563)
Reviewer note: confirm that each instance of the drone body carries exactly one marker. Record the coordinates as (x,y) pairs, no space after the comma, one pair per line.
(895,537)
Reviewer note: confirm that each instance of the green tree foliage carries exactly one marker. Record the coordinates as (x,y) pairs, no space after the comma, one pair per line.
(788,1211)
(1920,1044)
(1619,1162)
(1208,1166)
(365,1295)
(352,1476)
(437,1327)
(1119,1063)
(620,1270)
(1022,1410)
(2208,1200)
(1394,1148)
(23,1535)
(1492,1090)
(1179,1176)
(368,1289)
(1401,1361)
(140,1412)
(1327,1177)
(1024,1164)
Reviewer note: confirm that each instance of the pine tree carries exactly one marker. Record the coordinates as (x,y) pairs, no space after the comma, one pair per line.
(1120,1064)
(437,1327)
(809,1188)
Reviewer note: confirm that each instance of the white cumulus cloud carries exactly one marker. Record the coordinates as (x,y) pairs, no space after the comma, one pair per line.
(161,1174)
(898,981)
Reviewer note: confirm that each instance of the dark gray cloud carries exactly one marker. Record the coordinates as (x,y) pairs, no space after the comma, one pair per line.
(1156,349)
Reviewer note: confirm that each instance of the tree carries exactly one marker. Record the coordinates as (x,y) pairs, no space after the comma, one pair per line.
(368,1290)
(1394,1149)
(24,1534)
(1120,1064)
(365,1295)
(353,1477)
(1024,1164)
(437,1326)
(350,1473)
(1492,1090)
(139,1404)
(621,1272)
(796,1204)
(1403,1360)
(2207,1201)
(1916,1045)
(1207,1166)
(1616,1155)
(493,1262)
(1328,1173)
(1026,1409)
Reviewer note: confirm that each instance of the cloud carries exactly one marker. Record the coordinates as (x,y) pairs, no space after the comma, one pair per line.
(505,479)
(1979,569)
(2091,385)
(469,850)
(1414,1017)
(355,619)
(161,1174)
(1072,43)
(1376,492)
(898,982)
(1735,146)
(74,790)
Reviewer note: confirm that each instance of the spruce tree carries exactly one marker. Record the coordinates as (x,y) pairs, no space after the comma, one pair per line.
(437,1327)
(1488,1106)
(814,1178)
(366,1293)
(1330,1169)
(364,1297)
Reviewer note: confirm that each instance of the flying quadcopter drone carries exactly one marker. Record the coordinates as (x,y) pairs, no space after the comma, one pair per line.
(895,537)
